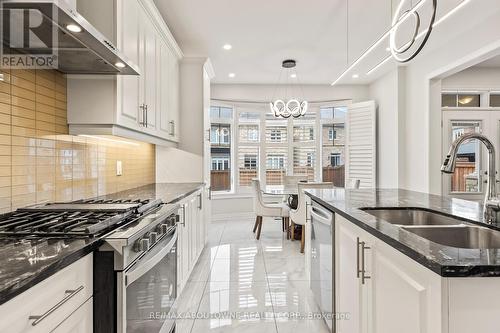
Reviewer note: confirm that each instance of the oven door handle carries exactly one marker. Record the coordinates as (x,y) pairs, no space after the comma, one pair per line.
(142,267)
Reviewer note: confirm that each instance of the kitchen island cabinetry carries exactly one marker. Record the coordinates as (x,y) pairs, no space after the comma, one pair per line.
(61,303)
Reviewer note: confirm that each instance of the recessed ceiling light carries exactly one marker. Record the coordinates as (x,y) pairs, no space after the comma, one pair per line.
(227,47)
(388,49)
(355,76)
(73,28)
(293,76)
(231,75)
(120,65)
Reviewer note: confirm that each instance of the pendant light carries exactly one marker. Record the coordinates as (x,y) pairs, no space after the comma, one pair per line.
(288,107)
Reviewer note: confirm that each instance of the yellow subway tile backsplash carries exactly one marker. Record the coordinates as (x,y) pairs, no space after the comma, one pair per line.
(40,162)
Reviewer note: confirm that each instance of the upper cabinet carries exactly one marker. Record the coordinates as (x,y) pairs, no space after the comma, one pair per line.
(143,107)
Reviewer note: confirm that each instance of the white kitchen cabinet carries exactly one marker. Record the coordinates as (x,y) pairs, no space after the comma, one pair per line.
(79,321)
(353,280)
(192,237)
(50,302)
(399,296)
(143,107)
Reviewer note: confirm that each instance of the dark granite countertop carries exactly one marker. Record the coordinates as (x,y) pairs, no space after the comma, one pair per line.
(25,262)
(444,260)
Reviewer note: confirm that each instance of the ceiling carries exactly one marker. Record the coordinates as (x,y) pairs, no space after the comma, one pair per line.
(263,33)
(323,36)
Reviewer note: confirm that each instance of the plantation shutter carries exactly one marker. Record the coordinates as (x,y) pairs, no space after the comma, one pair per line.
(361,144)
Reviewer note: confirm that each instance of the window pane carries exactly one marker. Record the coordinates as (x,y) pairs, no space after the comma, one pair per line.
(303,133)
(468,100)
(214,112)
(448,100)
(466,177)
(340,113)
(226,113)
(248,164)
(333,154)
(327,113)
(249,133)
(276,132)
(304,160)
(276,165)
(494,101)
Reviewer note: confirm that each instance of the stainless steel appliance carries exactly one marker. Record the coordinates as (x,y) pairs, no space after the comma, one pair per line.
(80,47)
(136,275)
(323,261)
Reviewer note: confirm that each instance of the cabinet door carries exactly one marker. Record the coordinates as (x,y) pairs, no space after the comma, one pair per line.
(164,128)
(174,90)
(150,77)
(407,296)
(129,42)
(348,289)
(80,321)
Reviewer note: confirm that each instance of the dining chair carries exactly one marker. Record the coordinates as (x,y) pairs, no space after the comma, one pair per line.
(263,209)
(298,216)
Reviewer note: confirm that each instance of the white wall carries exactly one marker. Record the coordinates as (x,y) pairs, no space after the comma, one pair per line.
(477,78)
(178,166)
(388,93)
(265,92)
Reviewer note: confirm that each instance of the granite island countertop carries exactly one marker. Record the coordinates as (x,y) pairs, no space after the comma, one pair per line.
(443,260)
(26,261)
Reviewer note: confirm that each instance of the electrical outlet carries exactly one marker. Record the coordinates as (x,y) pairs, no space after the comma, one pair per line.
(119,168)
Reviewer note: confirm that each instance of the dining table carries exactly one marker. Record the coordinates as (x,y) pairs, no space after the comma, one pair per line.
(289,191)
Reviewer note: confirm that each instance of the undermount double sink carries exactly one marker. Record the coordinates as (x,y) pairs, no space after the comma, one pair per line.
(439,228)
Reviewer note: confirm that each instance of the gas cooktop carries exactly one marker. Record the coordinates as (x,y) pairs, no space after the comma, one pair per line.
(79,218)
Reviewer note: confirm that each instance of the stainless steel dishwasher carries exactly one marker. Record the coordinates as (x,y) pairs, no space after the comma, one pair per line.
(322,261)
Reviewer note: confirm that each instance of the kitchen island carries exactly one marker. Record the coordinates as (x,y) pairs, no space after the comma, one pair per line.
(389,278)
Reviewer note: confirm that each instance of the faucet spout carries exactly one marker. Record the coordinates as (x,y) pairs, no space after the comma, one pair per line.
(491,202)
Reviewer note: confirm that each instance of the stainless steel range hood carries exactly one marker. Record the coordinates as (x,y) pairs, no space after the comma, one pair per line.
(78,52)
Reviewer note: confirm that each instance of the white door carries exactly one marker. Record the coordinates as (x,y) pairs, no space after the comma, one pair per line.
(129,43)
(361,144)
(469,180)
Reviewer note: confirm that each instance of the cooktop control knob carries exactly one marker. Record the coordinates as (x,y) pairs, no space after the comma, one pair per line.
(153,237)
(164,228)
(145,244)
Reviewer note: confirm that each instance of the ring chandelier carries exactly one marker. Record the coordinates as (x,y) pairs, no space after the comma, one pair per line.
(289,107)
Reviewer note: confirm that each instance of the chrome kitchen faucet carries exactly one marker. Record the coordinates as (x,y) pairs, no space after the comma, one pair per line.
(491,206)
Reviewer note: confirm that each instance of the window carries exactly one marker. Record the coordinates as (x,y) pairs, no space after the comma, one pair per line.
(249,133)
(220,150)
(304,161)
(275,135)
(335,159)
(332,144)
(303,133)
(466,177)
(495,100)
(331,134)
(248,164)
(460,100)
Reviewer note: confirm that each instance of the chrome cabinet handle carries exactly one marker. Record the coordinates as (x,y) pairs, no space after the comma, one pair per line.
(358,270)
(146,118)
(69,295)
(141,120)
(183,216)
(307,205)
(200,205)
(172,127)
(363,268)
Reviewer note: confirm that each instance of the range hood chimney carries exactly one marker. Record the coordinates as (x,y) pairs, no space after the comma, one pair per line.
(79,47)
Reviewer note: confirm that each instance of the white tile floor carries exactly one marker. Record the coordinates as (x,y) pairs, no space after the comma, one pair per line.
(244,285)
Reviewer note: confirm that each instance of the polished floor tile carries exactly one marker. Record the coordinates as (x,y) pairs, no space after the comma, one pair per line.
(244,285)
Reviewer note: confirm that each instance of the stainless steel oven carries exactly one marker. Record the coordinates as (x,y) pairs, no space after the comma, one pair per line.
(149,289)
(323,261)
(135,275)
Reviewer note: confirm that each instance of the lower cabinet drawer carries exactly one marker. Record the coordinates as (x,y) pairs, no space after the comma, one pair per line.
(46,305)
(79,321)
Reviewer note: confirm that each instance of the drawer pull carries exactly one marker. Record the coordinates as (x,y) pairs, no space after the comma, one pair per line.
(69,294)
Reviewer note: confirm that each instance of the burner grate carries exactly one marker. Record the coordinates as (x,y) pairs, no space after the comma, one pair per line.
(83,217)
